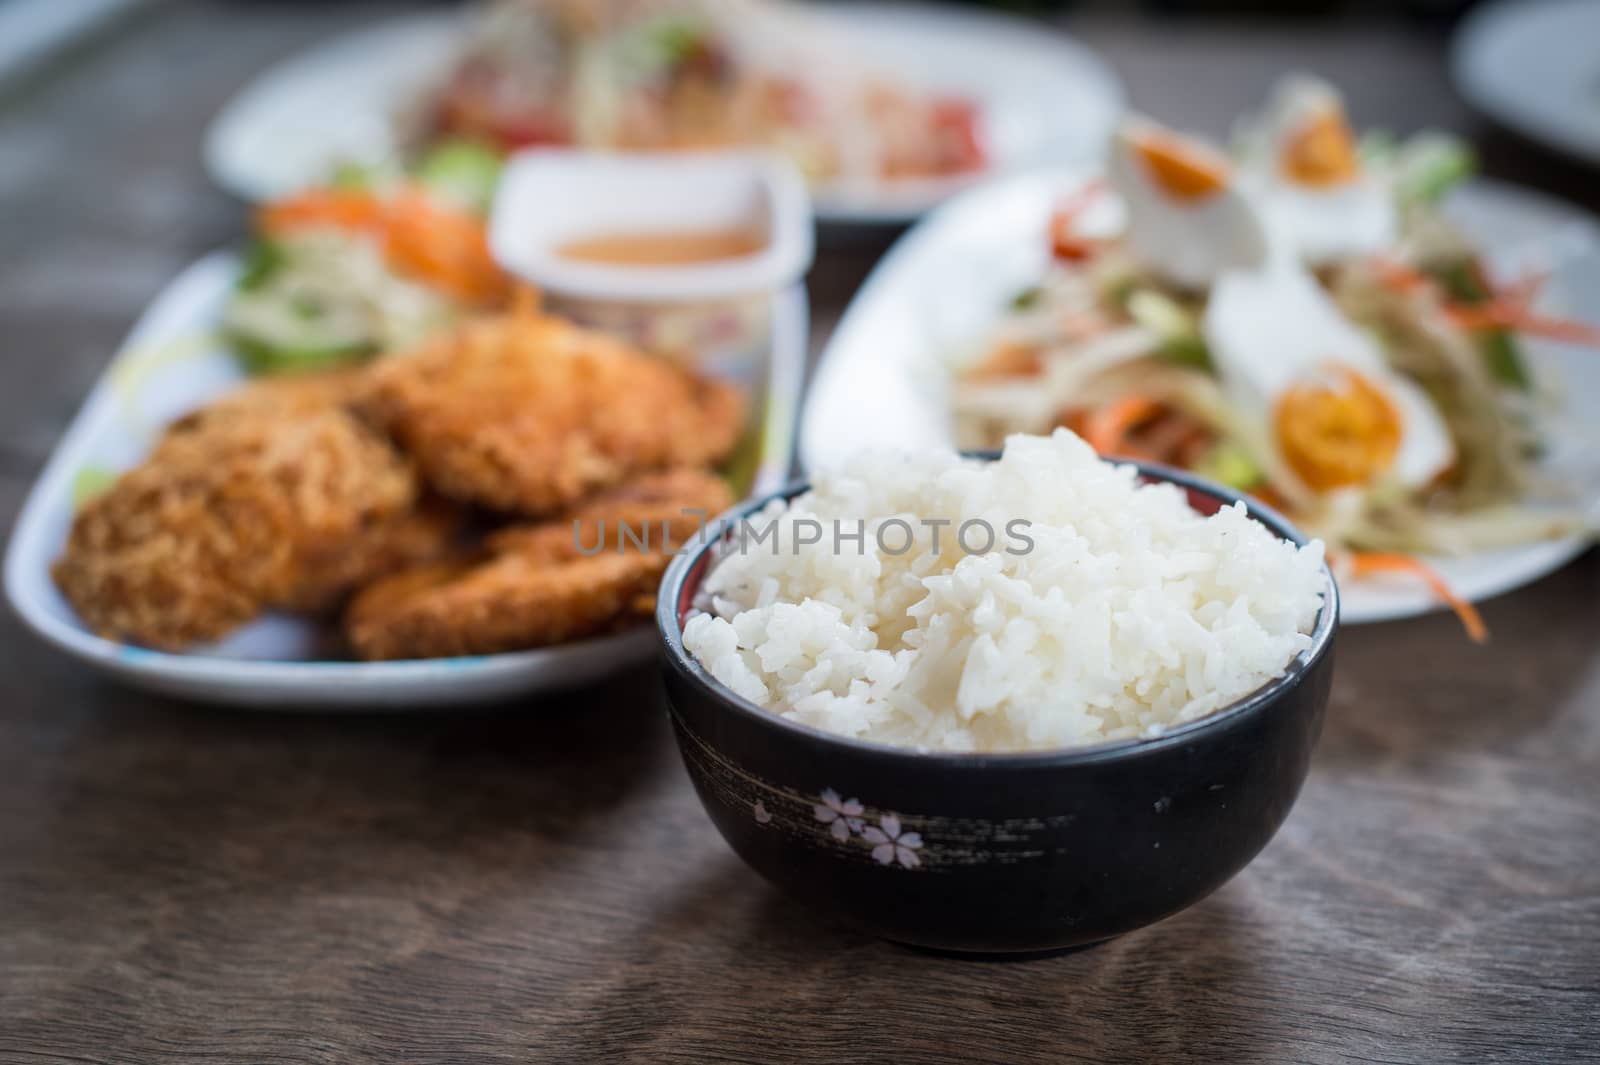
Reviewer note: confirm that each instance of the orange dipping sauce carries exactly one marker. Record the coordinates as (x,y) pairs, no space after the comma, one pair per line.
(667,248)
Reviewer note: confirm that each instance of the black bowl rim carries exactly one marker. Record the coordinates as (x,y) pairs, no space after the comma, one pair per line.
(1322,633)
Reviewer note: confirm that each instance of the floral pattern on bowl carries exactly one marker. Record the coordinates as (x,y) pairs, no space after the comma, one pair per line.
(846,819)
(840,821)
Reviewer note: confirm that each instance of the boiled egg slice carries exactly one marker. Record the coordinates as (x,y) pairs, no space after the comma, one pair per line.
(1316,193)
(1334,411)
(1187,220)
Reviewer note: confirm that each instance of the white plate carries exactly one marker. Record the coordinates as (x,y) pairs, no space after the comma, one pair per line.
(882,380)
(1534,66)
(172,363)
(1044,99)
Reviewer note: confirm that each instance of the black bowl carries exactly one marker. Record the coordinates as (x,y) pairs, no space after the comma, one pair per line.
(1001,853)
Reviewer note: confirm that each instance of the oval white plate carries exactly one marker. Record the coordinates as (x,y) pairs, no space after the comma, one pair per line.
(1534,66)
(172,363)
(1044,97)
(882,380)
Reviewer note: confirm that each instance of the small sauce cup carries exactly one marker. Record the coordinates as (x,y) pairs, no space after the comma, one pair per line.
(712,313)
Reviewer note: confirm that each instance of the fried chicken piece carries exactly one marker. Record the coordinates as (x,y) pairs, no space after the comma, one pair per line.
(325,578)
(529,414)
(657,510)
(535,585)
(244,505)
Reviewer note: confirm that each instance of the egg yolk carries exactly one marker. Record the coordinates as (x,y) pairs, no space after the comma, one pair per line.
(1182,171)
(1337,430)
(1322,151)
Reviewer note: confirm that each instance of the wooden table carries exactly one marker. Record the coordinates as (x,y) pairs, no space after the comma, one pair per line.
(538,883)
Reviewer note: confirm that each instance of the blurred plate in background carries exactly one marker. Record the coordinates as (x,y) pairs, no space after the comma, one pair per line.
(884,374)
(1043,97)
(172,363)
(1534,66)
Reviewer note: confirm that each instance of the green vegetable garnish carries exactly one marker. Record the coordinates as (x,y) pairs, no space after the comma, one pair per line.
(1119,289)
(1463,281)
(259,357)
(1429,165)
(1461,278)
(1230,464)
(464,171)
(1177,329)
(1378,146)
(740,468)
(262,259)
(1026,298)
(654,49)
(89,482)
(1504,356)
(352,175)
(675,39)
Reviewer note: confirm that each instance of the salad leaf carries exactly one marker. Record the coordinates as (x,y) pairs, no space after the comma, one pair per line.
(1464,282)
(1229,464)
(260,357)
(1026,298)
(1177,328)
(89,482)
(1504,356)
(655,48)
(1378,146)
(675,39)
(1429,165)
(1461,277)
(262,259)
(349,174)
(465,171)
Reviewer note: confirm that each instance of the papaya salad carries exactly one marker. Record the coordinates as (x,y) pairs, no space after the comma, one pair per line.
(653,75)
(1298,319)
(378,259)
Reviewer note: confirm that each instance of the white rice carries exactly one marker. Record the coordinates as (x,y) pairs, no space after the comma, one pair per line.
(1131,612)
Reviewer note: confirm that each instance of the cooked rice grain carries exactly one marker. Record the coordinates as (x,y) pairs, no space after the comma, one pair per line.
(1131,612)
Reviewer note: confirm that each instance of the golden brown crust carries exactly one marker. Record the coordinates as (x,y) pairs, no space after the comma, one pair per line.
(325,578)
(533,585)
(529,414)
(652,512)
(226,515)
(506,603)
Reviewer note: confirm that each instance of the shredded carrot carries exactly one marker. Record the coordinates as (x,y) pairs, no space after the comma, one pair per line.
(444,247)
(352,209)
(1107,428)
(1067,245)
(1076,419)
(1083,197)
(1399,276)
(1008,360)
(1170,436)
(1508,310)
(1503,314)
(1065,242)
(1272,498)
(439,245)
(1367,563)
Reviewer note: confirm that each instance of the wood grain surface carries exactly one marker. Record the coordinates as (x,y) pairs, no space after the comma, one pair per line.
(536,883)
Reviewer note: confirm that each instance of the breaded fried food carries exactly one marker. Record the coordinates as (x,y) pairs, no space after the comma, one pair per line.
(527,413)
(534,585)
(252,503)
(326,575)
